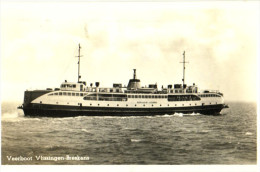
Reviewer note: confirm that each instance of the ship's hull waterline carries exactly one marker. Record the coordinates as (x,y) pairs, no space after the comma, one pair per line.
(72,111)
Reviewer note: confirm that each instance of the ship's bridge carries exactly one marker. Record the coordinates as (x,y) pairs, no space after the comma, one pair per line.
(73,86)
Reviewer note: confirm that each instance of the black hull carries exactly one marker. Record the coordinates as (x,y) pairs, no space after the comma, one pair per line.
(72,111)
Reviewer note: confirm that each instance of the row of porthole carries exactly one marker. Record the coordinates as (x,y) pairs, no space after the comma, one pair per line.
(136,105)
(152,104)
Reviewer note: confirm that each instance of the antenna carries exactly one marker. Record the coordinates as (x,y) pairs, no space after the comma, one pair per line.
(134,73)
(183,79)
(79,64)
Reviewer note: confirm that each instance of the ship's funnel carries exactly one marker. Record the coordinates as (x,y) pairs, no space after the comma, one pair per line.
(134,83)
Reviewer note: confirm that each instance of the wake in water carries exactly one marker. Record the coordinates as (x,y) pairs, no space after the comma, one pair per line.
(13,116)
(187,114)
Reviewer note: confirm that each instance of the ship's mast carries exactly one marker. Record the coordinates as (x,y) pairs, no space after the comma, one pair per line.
(183,79)
(79,64)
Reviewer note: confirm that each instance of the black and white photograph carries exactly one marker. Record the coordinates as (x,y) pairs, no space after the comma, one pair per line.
(130,85)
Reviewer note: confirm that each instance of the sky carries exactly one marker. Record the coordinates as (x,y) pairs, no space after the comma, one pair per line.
(39,42)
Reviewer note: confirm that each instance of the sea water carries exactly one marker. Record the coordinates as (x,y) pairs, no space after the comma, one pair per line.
(229,138)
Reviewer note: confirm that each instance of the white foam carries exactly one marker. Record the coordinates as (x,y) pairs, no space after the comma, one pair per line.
(178,114)
(11,117)
(248,133)
(85,130)
(135,140)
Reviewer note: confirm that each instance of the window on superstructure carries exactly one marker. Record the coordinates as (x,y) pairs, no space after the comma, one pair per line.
(139,96)
(74,86)
(50,94)
(69,94)
(73,94)
(77,94)
(81,94)
(146,96)
(60,93)
(64,93)
(136,96)
(152,96)
(55,94)
(149,96)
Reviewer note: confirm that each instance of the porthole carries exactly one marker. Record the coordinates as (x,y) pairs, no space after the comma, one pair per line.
(152,105)
(135,105)
(98,104)
(168,105)
(144,105)
(160,105)
(182,104)
(90,104)
(117,104)
(107,104)
(126,104)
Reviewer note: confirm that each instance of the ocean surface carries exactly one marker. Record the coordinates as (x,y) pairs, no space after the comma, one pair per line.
(229,138)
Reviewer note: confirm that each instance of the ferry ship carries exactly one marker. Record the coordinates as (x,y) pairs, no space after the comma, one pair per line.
(78,99)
